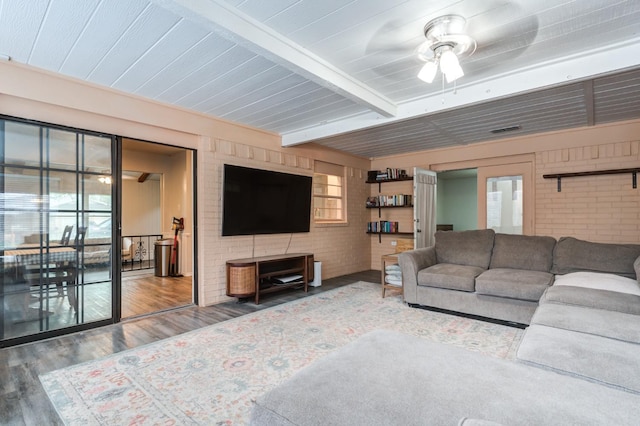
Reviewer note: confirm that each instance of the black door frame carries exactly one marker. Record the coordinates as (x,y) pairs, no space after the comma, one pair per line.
(116,232)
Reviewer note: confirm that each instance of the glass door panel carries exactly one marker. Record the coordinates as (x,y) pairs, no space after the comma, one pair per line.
(55,260)
(504,204)
(505,198)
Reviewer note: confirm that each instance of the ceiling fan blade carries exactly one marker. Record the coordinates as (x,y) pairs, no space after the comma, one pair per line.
(503,27)
(398,70)
(395,38)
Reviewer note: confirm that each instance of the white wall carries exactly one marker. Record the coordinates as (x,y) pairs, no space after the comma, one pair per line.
(141,207)
(458,203)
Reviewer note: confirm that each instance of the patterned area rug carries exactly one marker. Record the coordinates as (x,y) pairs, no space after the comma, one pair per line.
(211,375)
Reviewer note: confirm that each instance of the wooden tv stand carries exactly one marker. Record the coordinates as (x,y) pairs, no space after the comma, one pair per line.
(244,276)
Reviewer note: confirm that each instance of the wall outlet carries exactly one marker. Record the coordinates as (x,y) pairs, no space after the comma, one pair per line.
(394,243)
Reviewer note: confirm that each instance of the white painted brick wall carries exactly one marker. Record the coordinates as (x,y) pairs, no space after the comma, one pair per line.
(597,208)
(342,249)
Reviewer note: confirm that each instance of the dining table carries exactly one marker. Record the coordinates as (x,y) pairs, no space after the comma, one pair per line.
(58,267)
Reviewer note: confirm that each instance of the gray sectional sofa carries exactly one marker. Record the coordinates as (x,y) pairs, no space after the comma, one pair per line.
(580,300)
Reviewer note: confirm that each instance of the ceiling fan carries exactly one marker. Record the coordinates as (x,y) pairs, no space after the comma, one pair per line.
(495,32)
(446,44)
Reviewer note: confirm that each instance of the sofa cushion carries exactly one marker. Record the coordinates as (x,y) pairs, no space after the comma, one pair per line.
(599,322)
(595,358)
(514,283)
(599,281)
(446,275)
(592,298)
(573,255)
(534,253)
(472,248)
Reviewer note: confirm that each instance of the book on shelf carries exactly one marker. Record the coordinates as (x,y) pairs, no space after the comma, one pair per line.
(398,200)
(387,174)
(383,226)
(396,173)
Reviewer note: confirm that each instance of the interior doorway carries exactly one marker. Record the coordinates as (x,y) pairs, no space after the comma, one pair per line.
(457,206)
(157,199)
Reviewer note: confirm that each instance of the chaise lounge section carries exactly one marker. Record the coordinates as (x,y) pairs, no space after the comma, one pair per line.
(588,322)
(388,378)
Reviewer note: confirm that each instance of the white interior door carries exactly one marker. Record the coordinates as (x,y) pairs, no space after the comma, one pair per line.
(424,207)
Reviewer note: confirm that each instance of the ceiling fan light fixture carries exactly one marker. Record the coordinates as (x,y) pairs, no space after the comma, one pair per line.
(454,74)
(450,66)
(428,72)
(445,44)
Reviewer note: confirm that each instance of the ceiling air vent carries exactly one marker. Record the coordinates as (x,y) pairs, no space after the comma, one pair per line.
(505,129)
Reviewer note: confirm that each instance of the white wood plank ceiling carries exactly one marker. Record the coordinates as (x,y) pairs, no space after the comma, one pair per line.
(342,73)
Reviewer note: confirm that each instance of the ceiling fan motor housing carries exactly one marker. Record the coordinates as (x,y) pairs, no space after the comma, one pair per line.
(447,30)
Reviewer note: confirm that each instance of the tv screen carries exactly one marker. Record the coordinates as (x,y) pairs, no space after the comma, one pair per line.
(264,202)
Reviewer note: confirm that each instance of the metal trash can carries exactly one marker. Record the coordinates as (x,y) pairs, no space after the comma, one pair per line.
(162,253)
(317,275)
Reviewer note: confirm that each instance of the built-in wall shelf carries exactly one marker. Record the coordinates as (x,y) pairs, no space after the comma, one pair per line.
(389,207)
(381,181)
(380,234)
(391,233)
(387,227)
(559,176)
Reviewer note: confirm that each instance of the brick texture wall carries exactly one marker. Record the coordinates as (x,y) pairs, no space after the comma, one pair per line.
(342,248)
(601,208)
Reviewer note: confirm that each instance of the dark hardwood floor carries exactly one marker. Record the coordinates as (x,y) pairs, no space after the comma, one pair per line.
(22,398)
(142,294)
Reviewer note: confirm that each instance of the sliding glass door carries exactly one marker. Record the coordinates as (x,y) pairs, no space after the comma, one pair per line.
(56,211)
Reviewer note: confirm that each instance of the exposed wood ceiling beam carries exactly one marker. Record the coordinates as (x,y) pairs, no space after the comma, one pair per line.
(240,28)
(576,68)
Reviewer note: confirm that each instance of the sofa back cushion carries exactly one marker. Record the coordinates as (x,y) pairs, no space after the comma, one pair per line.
(573,255)
(532,253)
(472,248)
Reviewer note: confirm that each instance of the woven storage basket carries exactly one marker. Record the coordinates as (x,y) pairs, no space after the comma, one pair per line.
(242,280)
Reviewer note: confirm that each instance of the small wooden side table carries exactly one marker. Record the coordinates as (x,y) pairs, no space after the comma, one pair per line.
(389,259)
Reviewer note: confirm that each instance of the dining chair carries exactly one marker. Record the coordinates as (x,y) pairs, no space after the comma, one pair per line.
(74,267)
(61,275)
(66,235)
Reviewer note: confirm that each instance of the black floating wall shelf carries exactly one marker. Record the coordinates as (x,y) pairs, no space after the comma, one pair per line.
(559,176)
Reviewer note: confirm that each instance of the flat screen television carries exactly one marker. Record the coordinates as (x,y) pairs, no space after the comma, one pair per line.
(264,202)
